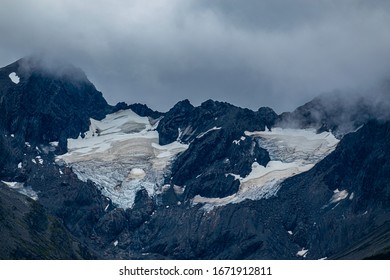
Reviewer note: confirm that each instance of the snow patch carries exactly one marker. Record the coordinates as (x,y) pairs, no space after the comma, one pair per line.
(116,243)
(204,133)
(20,165)
(338,195)
(39,159)
(302,253)
(54,143)
(237,142)
(34,161)
(22,189)
(178,190)
(290,232)
(14,78)
(11,184)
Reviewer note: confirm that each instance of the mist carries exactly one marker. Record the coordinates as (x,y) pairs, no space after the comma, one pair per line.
(276,53)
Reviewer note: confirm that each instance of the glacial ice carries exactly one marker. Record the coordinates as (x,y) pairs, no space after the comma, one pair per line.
(292,151)
(121,154)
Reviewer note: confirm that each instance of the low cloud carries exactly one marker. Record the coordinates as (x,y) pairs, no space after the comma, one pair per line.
(250,53)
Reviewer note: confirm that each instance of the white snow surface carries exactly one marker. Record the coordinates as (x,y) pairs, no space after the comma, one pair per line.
(20,188)
(302,253)
(204,133)
(338,195)
(39,159)
(121,154)
(14,78)
(292,151)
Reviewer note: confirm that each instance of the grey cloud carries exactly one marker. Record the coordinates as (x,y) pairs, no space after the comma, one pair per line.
(250,53)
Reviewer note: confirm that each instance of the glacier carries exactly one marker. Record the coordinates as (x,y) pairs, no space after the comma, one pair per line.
(292,151)
(121,155)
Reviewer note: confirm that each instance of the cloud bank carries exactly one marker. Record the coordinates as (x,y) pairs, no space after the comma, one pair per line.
(249,53)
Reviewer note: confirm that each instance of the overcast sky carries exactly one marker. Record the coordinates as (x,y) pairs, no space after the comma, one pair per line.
(252,53)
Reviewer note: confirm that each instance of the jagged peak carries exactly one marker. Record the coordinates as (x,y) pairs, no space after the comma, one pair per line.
(184,105)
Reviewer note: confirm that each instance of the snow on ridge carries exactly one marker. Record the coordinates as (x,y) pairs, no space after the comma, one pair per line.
(204,133)
(121,154)
(22,189)
(11,185)
(302,253)
(14,78)
(292,151)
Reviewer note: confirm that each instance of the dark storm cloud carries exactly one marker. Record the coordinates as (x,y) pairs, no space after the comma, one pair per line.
(251,53)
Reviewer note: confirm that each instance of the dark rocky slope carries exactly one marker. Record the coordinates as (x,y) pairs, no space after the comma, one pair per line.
(27,231)
(360,165)
(48,104)
(259,229)
(339,112)
(212,129)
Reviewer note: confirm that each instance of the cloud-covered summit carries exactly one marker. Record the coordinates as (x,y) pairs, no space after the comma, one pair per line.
(250,53)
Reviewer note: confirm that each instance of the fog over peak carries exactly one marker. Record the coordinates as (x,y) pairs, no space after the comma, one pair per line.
(250,53)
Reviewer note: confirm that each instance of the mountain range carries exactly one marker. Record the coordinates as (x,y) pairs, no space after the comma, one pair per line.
(82,179)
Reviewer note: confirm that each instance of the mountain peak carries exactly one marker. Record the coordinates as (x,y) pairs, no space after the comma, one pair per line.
(45,99)
(46,66)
